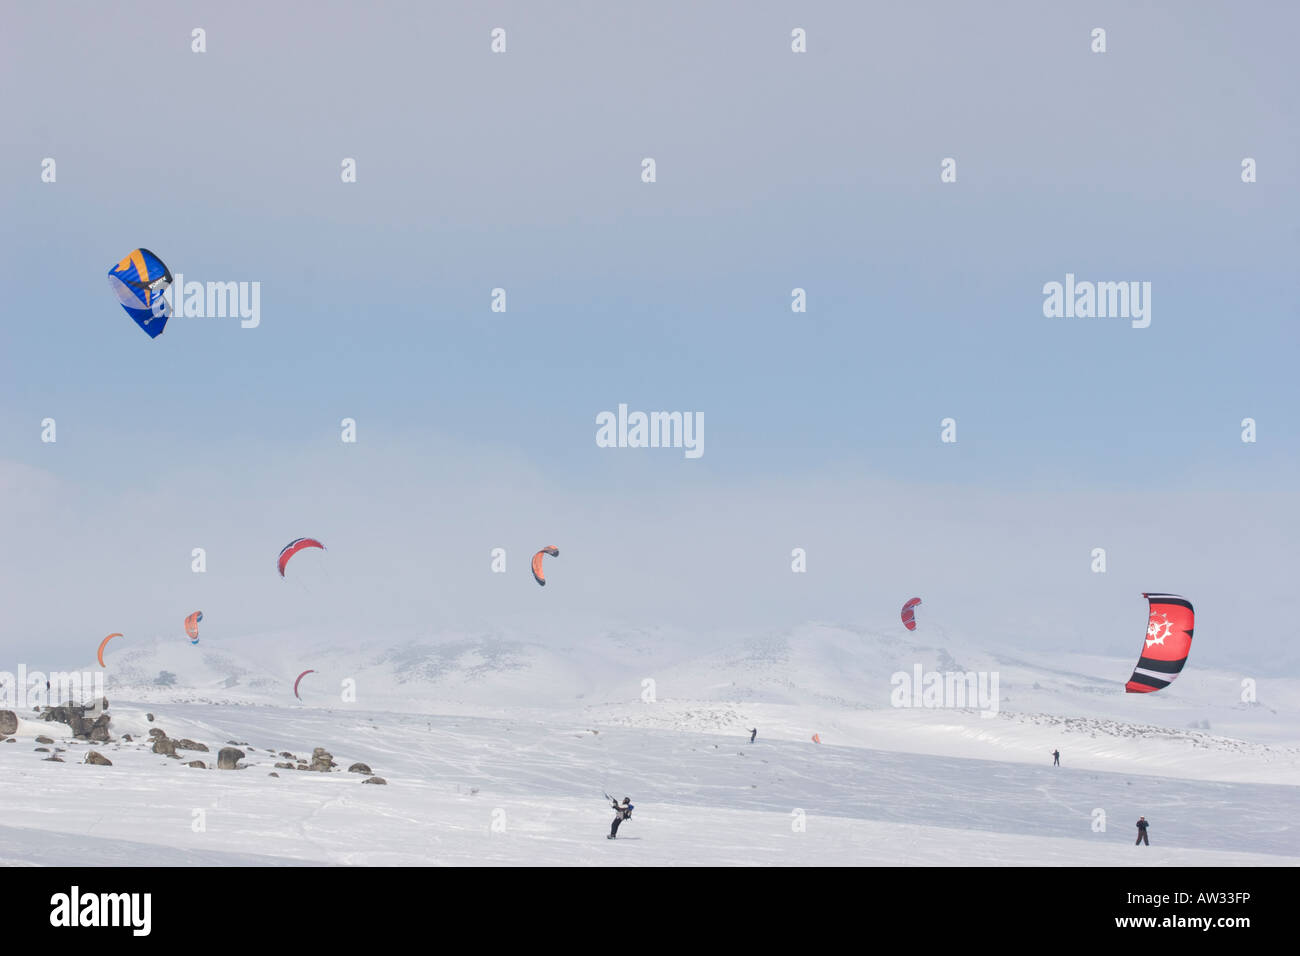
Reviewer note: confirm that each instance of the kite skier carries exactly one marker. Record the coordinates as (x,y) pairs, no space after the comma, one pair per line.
(621,813)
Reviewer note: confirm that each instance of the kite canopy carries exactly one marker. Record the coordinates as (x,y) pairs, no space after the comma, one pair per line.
(1168,642)
(298,681)
(192,626)
(816,738)
(139,282)
(293,547)
(102,644)
(538,576)
(908,615)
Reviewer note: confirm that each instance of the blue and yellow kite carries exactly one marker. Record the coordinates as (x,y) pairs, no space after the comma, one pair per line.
(139,281)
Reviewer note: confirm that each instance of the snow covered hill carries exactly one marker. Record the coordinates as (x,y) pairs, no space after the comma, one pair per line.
(496,749)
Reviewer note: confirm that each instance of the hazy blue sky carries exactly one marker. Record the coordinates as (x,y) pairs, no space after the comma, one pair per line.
(775,171)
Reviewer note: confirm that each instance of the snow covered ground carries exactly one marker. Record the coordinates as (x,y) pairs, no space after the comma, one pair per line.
(496,751)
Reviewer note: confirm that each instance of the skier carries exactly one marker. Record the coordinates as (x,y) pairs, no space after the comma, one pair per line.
(1056,758)
(752,734)
(620,814)
(1142,832)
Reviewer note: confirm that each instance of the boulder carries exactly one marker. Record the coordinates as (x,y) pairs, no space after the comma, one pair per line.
(284,766)
(161,745)
(100,734)
(228,758)
(8,723)
(286,755)
(74,715)
(197,763)
(379,780)
(186,744)
(42,739)
(98,758)
(42,750)
(322,760)
(273,774)
(157,732)
(55,759)
(149,717)
(360,768)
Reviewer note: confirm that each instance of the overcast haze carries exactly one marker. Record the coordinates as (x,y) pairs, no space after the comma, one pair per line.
(775,171)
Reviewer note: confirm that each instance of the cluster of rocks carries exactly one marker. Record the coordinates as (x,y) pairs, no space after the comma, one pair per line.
(95,728)
(370,774)
(84,722)
(227,757)
(162,744)
(322,761)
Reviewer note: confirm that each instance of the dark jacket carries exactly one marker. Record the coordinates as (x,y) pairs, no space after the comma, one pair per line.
(1142,824)
(624,812)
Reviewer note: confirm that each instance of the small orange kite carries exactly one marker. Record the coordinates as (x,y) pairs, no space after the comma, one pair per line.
(102,644)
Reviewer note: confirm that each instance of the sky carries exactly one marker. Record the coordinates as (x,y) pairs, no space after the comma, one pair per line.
(775,170)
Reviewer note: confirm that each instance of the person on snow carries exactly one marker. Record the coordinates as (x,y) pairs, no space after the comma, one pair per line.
(1142,832)
(1056,758)
(620,814)
(752,734)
